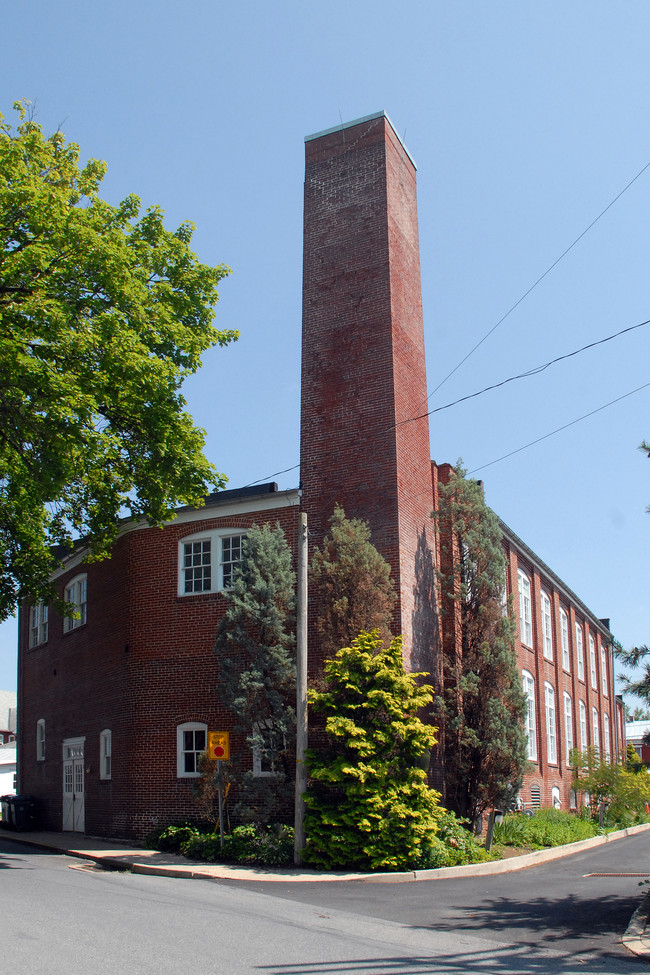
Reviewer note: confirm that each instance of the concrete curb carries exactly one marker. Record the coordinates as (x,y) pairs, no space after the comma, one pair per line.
(178,866)
(633,939)
(503,866)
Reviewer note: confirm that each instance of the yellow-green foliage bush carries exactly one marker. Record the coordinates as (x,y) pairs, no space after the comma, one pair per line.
(368,805)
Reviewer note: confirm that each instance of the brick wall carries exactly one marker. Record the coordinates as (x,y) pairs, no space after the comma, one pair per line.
(363,372)
(141,665)
(551,669)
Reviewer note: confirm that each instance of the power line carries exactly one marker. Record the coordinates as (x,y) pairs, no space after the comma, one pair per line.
(559,429)
(539,280)
(524,375)
(264,480)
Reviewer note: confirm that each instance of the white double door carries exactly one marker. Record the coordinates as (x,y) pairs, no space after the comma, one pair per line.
(74,817)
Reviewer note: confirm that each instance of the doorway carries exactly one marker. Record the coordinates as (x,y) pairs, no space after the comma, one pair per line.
(74,816)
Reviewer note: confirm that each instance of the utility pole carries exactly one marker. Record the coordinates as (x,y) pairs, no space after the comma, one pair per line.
(301,691)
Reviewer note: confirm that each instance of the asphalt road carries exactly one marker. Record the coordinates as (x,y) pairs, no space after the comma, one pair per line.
(61,916)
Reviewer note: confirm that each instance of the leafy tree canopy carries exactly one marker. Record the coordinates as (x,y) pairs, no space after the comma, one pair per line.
(353,581)
(103,314)
(482,706)
(624,789)
(368,804)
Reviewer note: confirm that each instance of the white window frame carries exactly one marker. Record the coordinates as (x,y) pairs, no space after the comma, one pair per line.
(580,651)
(528,687)
(564,638)
(551,732)
(603,669)
(262,769)
(105,754)
(76,592)
(582,713)
(182,751)
(547,625)
(219,571)
(607,743)
(568,726)
(595,731)
(38,624)
(525,609)
(556,801)
(40,740)
(593,676)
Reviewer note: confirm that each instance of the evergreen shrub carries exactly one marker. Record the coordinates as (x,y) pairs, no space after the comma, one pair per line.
(369,806)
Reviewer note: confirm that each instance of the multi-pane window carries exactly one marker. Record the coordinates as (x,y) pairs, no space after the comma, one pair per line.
(607,746)
(595,731)
(525,610)
(38,625)
(580,652)
(564,638)
(268,745)
(528,686)
(40,740)
(208,563)
(603,669)
(76,593)
(547,627)
(231,554)
(568,727)
(592,662)
(551,737)
(191,740)
(197,566)
(582,712)
(105,754)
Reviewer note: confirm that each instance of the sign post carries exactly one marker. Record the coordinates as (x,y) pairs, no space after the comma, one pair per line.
(219,749)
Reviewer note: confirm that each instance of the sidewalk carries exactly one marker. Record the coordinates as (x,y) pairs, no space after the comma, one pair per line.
(112,855)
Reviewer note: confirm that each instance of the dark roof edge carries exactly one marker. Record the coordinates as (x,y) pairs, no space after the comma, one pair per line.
(235,494)
(562,586)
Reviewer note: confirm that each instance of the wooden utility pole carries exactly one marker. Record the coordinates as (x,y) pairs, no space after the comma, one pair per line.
(301,691)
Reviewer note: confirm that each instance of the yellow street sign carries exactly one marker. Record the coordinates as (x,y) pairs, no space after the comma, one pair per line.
(219,745)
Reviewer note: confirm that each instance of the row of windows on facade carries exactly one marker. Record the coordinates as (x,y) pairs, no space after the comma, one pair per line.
(206,564)
(191,742)
(556,801)
(526,634)
(528,684)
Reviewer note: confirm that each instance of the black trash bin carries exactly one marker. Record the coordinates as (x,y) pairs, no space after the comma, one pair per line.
(7,811)
(23,815)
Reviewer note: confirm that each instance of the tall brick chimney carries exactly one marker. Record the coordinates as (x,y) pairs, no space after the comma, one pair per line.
(363,367)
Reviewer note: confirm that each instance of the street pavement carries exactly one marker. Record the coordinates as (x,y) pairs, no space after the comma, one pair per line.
(558,914)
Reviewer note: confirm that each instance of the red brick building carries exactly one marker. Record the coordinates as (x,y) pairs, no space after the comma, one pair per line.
(115,705)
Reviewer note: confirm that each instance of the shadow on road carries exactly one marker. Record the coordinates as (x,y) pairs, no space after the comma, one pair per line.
(465,961)
(545,920)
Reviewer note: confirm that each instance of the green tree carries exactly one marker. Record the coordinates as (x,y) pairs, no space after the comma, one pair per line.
(102,316)
(638,714)
(355,591)
(257,671)
(481,708)
(639,685)
(368,803)
(623,791)
(633,761)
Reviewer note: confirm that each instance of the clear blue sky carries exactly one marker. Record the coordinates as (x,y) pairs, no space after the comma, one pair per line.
(525,121)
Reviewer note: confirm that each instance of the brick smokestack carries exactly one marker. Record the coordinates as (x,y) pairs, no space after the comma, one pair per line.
(363,367)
